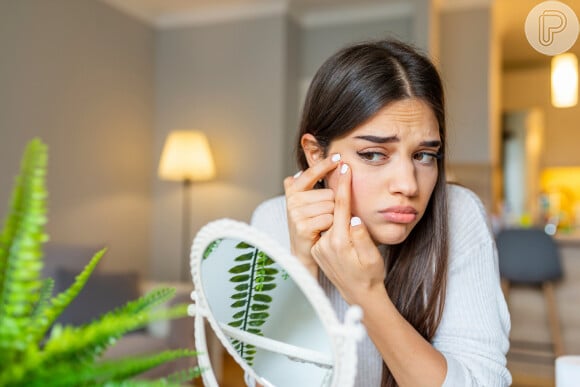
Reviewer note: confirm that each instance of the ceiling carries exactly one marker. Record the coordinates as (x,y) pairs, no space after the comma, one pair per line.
(150,10)
(510,16)
(154,10)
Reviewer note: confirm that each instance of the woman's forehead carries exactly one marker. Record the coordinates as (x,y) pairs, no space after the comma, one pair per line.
(401,118)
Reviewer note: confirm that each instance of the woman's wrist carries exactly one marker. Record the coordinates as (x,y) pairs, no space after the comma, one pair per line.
(311,267)
(371,297)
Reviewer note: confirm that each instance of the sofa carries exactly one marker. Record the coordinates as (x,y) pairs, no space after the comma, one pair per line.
(106,290)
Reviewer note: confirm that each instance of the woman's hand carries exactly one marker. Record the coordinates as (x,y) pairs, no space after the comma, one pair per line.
(310,211)
(346,252)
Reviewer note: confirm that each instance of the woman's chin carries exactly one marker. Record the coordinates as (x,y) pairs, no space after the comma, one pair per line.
(392,234)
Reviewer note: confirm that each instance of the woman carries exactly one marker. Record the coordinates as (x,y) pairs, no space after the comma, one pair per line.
(372,217)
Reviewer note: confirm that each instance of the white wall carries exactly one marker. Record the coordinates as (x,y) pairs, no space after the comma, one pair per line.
(79,75)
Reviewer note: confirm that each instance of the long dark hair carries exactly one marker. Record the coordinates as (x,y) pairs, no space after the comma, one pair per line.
(349,88)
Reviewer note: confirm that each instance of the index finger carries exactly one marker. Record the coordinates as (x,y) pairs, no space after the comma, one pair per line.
(342,211)
(307,180)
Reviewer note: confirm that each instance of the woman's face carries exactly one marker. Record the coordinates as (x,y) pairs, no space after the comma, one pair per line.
(393,158)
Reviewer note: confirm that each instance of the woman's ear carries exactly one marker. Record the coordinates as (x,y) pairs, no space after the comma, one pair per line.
(312,149)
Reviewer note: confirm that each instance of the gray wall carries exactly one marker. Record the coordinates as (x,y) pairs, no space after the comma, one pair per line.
(292,97)
(228,80)
(239,82)
(465,61)
(104,100)
(318,43)
(470,71)
(79,75)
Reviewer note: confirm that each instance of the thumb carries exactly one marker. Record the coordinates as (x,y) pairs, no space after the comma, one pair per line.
(362,241)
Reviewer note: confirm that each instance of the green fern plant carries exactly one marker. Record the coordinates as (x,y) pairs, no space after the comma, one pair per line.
(68,355)
(254,277)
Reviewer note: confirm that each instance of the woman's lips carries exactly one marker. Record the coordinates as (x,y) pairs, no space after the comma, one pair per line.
(399,214)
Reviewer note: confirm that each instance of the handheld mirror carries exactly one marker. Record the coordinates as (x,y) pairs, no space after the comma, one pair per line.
(268,312)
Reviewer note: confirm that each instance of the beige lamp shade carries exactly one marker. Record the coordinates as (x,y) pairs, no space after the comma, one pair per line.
(564,80)
(186,156)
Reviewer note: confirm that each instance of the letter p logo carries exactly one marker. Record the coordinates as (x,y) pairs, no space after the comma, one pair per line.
(551,22)
(551,27)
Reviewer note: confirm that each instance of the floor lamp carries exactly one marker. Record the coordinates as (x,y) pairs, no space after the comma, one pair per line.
(186,157)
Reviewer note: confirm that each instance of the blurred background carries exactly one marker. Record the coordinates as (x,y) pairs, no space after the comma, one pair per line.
(104,82)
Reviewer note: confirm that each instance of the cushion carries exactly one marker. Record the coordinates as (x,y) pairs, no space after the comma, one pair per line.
(102,293)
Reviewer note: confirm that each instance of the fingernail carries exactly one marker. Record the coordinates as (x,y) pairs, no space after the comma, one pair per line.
(355,221)
(343,169)
(335,157)
(298,174)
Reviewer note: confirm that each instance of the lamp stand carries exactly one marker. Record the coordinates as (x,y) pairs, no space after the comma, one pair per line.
(186,230)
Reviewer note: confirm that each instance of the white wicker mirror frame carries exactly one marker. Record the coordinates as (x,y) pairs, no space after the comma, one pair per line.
(343,336)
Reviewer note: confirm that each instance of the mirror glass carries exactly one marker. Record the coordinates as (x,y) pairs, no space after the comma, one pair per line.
(268,321)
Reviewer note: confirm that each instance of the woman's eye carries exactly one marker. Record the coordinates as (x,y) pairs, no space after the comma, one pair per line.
(426,157)
(372,156)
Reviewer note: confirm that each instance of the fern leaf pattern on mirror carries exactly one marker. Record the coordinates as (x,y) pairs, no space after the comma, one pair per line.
(211,248)
(254,276)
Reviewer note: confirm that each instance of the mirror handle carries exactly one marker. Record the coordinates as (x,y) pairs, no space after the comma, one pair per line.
(208,375)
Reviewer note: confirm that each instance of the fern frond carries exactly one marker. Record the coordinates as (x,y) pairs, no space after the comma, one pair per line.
(151,299)
(174,380)
(140,383)
(145,303)
(45,293)
(81,345)
(65,374)
(20,251)
(133,309)
(59,303)
(27,311)
(87,342)
(186,375)
(126,368)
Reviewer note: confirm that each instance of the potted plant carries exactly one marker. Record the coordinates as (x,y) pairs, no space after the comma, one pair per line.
(36,351)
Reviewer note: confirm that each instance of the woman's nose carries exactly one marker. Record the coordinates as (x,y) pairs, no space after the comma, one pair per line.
(403,180)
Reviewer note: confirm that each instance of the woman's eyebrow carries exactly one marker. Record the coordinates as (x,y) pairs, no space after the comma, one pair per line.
(431,144)
(390,139)
(378,139)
